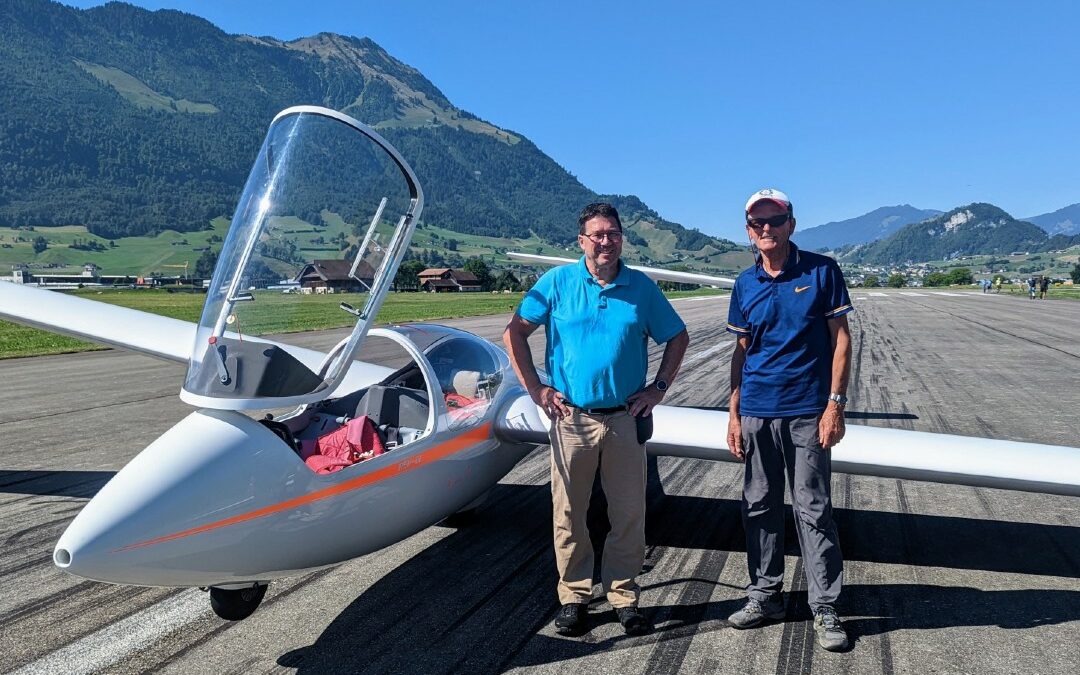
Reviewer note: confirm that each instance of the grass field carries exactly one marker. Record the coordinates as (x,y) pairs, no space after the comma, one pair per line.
(167,252)
(271,312)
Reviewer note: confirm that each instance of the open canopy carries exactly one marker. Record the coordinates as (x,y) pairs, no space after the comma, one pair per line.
(328,211)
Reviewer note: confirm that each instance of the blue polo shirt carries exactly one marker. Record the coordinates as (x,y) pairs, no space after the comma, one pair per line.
(597,350)
(788,370)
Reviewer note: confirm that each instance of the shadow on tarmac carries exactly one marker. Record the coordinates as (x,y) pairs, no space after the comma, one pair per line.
(482,599)
(54,483)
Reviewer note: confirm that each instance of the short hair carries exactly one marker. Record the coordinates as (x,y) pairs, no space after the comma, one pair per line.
(598,209)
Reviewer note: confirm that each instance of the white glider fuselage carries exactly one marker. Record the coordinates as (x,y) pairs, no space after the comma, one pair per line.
(220,499)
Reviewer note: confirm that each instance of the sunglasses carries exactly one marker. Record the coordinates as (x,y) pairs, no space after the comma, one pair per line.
(774,222)
(598,237)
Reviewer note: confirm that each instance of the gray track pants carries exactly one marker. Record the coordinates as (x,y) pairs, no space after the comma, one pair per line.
(773,445)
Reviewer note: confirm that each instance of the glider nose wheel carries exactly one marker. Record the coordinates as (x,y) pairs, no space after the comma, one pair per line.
(236,604)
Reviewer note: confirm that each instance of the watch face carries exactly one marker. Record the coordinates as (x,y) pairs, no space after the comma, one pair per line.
(661,385)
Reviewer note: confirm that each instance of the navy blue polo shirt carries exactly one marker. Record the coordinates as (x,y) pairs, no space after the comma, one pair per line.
(597,336)
(788,370)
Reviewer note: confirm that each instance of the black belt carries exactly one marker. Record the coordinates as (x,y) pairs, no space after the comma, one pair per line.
(599,411)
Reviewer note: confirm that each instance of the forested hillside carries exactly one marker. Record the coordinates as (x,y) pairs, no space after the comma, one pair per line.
(132,122)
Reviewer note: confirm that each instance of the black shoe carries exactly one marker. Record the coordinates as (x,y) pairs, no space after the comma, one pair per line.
(571,619)
(633,621)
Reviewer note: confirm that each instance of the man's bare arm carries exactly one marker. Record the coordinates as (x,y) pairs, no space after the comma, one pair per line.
(831,428)
(738,358)
(674,351)
(516,339)
(841,354)
(642,402)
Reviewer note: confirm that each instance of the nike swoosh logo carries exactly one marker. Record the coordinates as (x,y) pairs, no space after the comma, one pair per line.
(800,289)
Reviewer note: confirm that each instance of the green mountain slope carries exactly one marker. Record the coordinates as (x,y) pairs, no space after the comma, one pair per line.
(132,122)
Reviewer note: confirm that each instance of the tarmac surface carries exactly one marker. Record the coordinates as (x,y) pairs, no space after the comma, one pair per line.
(938,578)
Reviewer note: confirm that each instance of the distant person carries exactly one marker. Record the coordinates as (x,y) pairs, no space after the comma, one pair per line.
(789,378)
(1032,283)
(1044,286)
(985,283)
(997,284)
(598,315)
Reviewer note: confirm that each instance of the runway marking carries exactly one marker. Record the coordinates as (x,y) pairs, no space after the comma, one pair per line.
(105,648)
(952,295)
(880,295)
(706,353)
(707,297)
(913,294)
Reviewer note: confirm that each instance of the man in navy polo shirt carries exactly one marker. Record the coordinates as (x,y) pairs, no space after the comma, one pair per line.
(598,315)
(789,378)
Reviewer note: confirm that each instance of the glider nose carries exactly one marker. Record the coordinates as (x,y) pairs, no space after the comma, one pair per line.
(62,556)
(75,554)
(206,465)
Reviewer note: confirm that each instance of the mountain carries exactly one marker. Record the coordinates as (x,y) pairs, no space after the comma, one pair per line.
(131,122)
(877,224)
(1063,221)
(967,230)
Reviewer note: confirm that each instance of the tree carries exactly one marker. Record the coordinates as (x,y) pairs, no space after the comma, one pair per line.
(871,281)
(40,244)
(896,281)
(204,266)
(482,272)
(506,281)
(1075,273)
(408,274)
(451,244)
(961,276)
(259,274)
(937,279)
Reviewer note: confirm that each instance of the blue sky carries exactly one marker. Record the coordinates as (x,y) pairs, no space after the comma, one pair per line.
(692,106)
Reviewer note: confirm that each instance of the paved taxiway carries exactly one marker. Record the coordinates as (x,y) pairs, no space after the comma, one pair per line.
(938,579)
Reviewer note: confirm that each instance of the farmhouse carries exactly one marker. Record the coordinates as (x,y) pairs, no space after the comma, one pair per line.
(448,280)
(333,276)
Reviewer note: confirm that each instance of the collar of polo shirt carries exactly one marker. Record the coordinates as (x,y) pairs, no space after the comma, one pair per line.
(789,264)
(621,279)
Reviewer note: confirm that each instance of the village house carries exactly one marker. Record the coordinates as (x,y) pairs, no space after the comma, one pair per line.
(448,280)
(332,276)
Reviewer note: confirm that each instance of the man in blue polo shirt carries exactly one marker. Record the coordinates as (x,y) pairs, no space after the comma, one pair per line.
(789,378)
(598,315)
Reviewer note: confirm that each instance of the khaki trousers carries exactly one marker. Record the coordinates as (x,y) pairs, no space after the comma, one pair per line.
(579,443)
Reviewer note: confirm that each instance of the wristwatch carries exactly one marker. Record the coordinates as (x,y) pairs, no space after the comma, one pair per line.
(839,399)
(661,385)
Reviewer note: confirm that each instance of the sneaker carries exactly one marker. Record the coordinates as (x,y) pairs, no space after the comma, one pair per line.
(755,613)
(830,631)
(571,619)
(633,621)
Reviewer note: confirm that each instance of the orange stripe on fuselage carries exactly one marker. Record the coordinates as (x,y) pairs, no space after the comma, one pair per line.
(465,440)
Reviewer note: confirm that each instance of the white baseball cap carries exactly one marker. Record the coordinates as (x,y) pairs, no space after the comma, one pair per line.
(772,195)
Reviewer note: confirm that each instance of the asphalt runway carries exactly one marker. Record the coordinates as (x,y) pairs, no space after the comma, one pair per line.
(939,578)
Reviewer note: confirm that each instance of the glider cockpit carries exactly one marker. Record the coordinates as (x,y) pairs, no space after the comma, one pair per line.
(446,381)
(329,207)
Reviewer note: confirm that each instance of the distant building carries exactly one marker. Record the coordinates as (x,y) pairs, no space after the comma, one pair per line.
(333,276)
(448,280)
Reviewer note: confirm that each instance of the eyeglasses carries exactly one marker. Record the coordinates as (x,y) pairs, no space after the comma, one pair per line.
(598,237)
(774,222)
